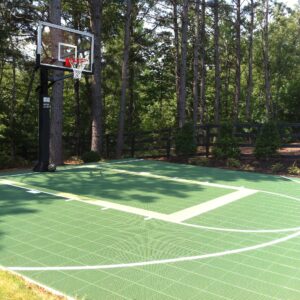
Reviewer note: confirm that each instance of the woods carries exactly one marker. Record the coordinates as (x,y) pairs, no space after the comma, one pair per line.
(158,64)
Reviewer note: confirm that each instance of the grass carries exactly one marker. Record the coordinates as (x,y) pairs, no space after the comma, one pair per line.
(14,287)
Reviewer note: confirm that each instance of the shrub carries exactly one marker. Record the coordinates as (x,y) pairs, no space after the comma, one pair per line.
(294,169)
(199,161)
(276,168)
(227,143)
(184,141)
(233,163)
(90,156)
(248,167)
(7,161)
(267,142)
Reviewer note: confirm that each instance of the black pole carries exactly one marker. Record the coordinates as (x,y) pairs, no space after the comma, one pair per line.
(44,124)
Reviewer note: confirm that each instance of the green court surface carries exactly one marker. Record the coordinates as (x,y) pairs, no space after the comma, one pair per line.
(140,229)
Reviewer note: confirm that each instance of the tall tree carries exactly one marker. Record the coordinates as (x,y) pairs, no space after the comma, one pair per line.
(203,67)
(124,85)
(56,155)
(196,66)
(217,62)
(177,52)
(250,63)
(183,65)
(237,94)
(97,106)
(266,59)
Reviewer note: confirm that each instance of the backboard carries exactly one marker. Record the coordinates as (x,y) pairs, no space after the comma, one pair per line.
(57,43)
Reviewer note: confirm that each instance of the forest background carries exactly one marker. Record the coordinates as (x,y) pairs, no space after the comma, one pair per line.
(158,64)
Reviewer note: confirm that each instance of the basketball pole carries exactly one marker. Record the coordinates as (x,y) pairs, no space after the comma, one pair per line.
(44,123)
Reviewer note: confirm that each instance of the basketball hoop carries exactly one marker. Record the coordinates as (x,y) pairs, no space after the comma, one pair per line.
(77,65)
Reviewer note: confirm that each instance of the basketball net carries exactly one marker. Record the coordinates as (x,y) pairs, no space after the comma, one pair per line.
(77,66)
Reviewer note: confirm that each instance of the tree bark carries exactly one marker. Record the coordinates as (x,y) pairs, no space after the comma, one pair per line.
(120,138)
(56,152)
(177,54)
(203,67)
(268,96)
(250,64)
(96,87)
(237,95)
(182,94)
(196,67)
(217,62)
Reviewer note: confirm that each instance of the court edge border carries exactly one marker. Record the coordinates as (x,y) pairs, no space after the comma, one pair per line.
(37,283)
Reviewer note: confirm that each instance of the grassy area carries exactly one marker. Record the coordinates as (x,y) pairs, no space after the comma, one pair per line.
(14,287)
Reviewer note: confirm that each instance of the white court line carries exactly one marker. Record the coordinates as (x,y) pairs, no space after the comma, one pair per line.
(291,179)
(181,180)
(161,261)
(202,208)
(146,213)
(73,167)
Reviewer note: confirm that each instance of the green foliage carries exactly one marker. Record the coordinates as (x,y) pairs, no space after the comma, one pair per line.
(233,163)
(90,156)
(7,161)
(276,168)
(184,141)
(199,161)
(226,144)
(267,142)
(294,169)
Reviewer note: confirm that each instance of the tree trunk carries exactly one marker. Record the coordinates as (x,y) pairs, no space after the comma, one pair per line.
(177,54)
(237,95)
(182,94)
(196,67)
(250,64)
(12,120)
(203,67)
(267,76)
(77,115)
(120,138)
(97,105)
(217,62)
(56,153)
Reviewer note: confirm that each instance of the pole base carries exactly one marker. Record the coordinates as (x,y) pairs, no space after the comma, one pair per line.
(41,167)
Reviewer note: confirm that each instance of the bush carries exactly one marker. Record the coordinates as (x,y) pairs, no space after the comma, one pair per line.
(184,141)
(267,142)
(276,168)
(7,161)
(233,163)
(294,169)
(199,161)
(90,156)
(227,144)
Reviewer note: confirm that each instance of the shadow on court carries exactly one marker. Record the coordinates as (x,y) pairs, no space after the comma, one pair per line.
(15,202)
(112,186)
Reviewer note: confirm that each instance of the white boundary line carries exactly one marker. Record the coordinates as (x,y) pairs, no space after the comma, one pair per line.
(162,261)
(207,206)
(69,167)
(146,213)
(32,281)
(291,179)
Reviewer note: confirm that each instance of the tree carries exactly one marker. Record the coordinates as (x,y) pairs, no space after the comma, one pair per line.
(120,138)
(237,94)
(183,65)
(56,155)
(97,109)
(217,62)
(196,66)
(266,60)
(203,67)
(250,63)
